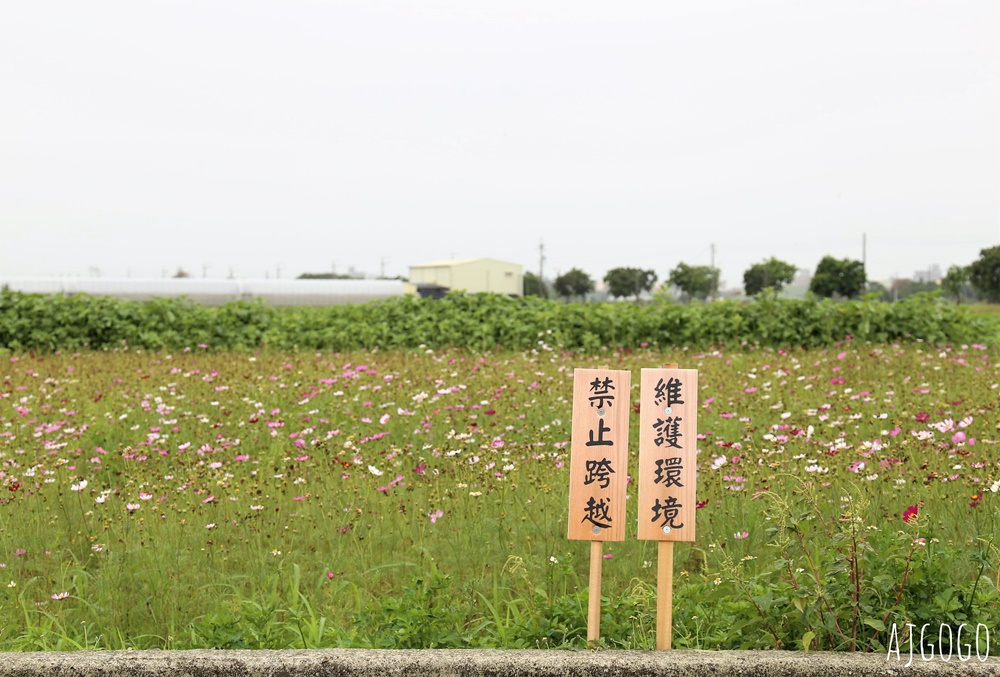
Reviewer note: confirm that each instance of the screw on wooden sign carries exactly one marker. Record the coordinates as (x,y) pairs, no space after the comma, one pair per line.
(598,469)
(668,431)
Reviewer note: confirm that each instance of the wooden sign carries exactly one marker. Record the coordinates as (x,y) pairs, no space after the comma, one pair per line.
(598,468)
(668,429)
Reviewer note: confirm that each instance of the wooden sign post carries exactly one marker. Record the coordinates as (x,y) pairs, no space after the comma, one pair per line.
(598,470)
(668,429)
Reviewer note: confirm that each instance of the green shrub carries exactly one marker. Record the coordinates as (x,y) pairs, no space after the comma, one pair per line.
(476,322)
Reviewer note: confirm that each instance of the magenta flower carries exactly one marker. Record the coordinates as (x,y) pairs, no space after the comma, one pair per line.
(910,513)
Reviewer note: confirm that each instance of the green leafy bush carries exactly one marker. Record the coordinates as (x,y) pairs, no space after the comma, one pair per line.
(478,322)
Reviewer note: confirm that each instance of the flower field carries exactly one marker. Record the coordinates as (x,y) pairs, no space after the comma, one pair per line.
(418,498)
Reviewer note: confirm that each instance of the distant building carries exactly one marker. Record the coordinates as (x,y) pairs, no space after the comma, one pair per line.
(932,274)
(471,275)
(803,277)
(799,286)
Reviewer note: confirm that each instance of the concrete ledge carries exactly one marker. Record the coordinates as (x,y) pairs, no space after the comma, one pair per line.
(493,663)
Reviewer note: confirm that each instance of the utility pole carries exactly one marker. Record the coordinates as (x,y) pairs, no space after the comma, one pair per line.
(864,253)
(541,267)
(714,280)
(382,268)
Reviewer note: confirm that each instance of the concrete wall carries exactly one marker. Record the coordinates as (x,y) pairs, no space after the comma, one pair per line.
(347,662)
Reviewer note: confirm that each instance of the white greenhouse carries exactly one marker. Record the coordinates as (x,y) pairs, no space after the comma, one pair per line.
(215,292)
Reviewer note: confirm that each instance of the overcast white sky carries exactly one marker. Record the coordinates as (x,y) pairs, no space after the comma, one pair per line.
(141,136)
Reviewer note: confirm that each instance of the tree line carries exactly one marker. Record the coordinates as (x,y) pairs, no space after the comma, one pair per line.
(834,278)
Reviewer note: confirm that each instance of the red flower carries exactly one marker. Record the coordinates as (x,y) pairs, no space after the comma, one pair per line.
(701,504)
(910,513)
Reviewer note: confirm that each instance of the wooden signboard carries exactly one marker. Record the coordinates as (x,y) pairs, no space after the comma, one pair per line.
(598,470)
(598,467)
(668,436)
(668,430)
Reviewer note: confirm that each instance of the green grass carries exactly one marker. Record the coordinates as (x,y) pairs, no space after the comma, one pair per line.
(419,499)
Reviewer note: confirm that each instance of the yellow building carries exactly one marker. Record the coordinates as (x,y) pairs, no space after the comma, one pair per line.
(471,276)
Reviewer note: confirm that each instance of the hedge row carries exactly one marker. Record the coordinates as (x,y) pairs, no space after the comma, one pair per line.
(47,323)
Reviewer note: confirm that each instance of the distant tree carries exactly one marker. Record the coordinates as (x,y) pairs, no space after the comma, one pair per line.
(325,276)
(843,277)
(771,273)
(984,274)
(574,282)
(904,288)
(694,281)
(954,280)
(878,290)
(533,286)
(181,273)
(629,281)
